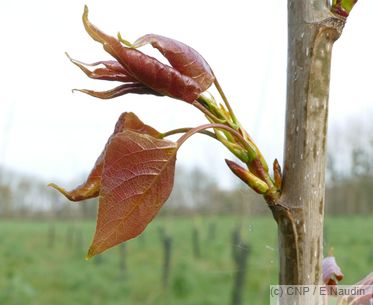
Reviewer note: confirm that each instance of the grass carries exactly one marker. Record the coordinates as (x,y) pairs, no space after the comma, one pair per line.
(36,273)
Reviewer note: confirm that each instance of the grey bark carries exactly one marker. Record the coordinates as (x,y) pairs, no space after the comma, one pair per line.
(312,30)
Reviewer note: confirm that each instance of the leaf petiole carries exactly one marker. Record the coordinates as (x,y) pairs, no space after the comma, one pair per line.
(223,96)
(124,41)
(187,129)
(251,150)
(208,113)
(215,113)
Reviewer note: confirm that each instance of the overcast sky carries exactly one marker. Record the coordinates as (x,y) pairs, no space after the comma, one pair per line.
(47,131)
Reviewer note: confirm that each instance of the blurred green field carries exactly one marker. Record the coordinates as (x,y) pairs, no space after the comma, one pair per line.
(35,273)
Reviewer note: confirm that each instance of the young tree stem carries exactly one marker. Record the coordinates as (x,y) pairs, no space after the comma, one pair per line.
(312,30)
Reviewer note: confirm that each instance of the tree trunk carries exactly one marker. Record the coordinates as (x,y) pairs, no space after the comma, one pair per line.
(312,30)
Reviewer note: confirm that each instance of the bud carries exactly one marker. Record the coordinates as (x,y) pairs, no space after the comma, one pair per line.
(246,176)
(277,174)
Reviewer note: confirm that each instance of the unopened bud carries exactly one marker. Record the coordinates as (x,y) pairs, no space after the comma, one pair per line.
(246,176)
(277,174)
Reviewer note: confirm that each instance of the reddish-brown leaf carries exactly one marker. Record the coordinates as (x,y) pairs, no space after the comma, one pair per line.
(182,57)
(91,187)
(112,70)
(130,121)
(137,179)
(134,88)
(145,69)
(365,295)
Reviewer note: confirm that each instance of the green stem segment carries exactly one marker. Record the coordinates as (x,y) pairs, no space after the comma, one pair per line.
(229,132)
(342,8)
(250,149)
(223,96)
(241,149)
(199,104)
(219,115)
(187,129)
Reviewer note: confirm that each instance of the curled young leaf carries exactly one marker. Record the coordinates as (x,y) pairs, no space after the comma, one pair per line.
(136,180)
(332,274)
(182,57)
(146,70)
(91,187)
(135,88)
(112,70)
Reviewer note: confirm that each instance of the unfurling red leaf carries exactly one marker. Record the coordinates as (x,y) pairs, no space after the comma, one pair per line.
(135,88)
(182,57)
(137,179)
(332,274)
(112,70)
(145,69)
(91,188)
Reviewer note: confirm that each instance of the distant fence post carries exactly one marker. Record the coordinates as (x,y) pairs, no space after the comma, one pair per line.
(69,237)
(161,233)
(240,254)
(211,233)
(79,240)
(167,247)
(142,240)
(196,243)
(122,260)
(98,259)
(51,235)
